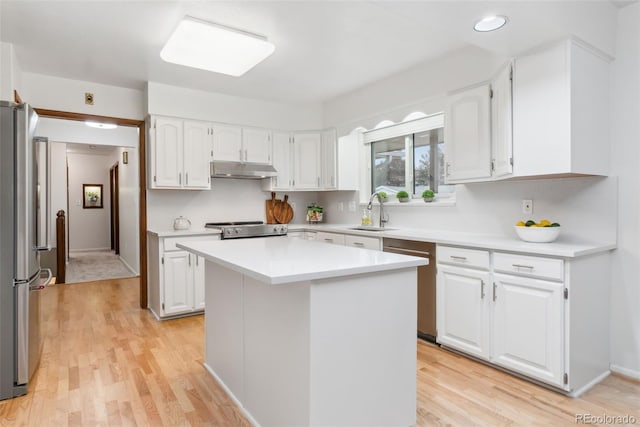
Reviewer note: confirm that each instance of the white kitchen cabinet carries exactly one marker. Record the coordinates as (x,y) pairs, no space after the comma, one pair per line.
(227,143)
(197,155)
(561,111)
(306,160)
(328,161)
(528,327)
(533,315)
(175,277)
(256,144)
(363,242)
(179,154)
(282,163)
(303,235)
(462,305)
(502,123)
(332,238)
(468,135)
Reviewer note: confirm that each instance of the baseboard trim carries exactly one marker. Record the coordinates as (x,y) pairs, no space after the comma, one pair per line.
(73,251)
(126,264)
(232,396)
(625,372)
(587,386)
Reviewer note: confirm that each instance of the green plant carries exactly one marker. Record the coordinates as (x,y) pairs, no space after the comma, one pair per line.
(382,195)
(92,194)
(402,194)
(428,194)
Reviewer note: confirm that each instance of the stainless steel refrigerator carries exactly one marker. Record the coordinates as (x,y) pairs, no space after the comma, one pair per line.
(24,223)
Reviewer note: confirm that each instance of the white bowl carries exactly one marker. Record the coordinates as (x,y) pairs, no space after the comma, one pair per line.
(537,234)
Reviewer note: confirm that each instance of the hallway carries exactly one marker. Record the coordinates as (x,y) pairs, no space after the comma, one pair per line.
(98,265)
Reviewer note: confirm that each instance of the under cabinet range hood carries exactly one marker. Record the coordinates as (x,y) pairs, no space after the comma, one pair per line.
(241,170)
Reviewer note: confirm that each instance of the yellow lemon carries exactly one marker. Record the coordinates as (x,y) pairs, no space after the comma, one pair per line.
(545,222)
(520,224)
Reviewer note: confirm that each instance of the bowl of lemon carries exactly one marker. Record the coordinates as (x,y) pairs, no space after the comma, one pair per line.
(544,231)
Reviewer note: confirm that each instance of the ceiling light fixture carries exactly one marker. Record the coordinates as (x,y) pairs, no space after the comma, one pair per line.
(212,47)
(490,23)
(99,125)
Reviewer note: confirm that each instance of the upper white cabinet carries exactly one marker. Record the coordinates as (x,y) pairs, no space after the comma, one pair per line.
(305,161)
(227,143)
(468,135)
(256,144)
(179,154)
(237,144)
(561,112)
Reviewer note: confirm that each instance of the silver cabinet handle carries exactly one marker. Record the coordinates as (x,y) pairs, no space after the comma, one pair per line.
(318,181)
(494,291)
(197,261)
(240,153)
(530,267)
(458,258)
(447,169)
(328,240)
(187,178)
(180,178)
(246,156)
(482,289)
(358,244)
(189,259)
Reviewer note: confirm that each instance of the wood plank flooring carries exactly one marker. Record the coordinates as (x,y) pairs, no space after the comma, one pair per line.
(107,362)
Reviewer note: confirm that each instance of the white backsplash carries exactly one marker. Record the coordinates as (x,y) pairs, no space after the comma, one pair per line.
(228,200)
(586,207)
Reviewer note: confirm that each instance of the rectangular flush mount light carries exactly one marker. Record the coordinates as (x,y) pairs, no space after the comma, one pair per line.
(213,47)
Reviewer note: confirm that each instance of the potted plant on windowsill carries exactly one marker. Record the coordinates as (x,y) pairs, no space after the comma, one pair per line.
(382,196)
(428,195)
(403,196)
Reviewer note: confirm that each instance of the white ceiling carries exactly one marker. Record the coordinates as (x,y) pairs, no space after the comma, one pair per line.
(323,48)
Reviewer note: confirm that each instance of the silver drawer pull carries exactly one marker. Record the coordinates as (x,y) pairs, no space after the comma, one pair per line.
(530,267)
(458,258)
(328,240)
(358,244)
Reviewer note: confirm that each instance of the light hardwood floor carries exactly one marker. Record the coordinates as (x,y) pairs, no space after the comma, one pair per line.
(107,362)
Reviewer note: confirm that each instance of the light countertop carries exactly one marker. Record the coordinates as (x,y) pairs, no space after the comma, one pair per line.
(563,247)
(179,233)
(279,260)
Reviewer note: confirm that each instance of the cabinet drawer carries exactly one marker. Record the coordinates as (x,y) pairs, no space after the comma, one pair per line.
(334,238)
(463,257)
(170,242)
(362,242)
(548,268)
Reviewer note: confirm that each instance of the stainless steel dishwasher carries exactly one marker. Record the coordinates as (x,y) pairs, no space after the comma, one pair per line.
(426,281)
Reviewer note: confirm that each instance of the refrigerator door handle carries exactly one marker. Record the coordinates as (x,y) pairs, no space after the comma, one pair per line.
(43,193)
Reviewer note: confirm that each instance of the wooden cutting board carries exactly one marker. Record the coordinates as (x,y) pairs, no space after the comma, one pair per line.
(269,205)
(285,212)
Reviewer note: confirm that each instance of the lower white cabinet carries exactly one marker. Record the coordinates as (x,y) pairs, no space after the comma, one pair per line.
(363,242)
(175,277)
(333,238)
(542,317)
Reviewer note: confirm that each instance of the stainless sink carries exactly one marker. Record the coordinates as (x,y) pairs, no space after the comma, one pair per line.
(370,228)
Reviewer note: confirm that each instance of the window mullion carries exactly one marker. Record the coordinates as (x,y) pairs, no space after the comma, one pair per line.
(409,165)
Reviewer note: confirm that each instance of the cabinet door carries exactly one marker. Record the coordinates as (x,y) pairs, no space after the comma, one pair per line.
(329,160)
(197,154)
(306,160)
(462,310)
(227,143)
(282,161)
(256,144)
(178,283)
(467,136)
(362,242)
(168,149)
(501,123)
(528,327)
(198,282)
(332,238)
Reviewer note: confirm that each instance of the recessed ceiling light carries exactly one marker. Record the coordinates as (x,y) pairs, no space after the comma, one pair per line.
(99,125)
(213,47)
(490,23)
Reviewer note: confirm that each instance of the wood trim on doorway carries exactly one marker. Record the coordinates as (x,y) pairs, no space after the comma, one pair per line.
(142,172)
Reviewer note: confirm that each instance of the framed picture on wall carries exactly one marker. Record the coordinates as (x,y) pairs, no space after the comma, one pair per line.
(92,196)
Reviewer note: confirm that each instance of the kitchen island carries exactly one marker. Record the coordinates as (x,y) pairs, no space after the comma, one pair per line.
(305,333)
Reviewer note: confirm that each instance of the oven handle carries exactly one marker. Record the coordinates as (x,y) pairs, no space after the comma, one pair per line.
(414,252)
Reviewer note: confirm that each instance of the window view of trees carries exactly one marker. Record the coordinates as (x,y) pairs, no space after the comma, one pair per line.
(412,162)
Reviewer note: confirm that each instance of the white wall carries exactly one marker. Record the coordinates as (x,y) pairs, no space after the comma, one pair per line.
(10,73)
(58,184)
(73,131)
(625,138)
(88,228)
(198,105)
(56,93)
(129,211)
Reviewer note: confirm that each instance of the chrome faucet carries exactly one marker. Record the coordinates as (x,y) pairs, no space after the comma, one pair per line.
(383,218)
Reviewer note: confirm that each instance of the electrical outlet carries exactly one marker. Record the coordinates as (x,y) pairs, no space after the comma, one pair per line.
(88,98)
(352,206)
(527,207)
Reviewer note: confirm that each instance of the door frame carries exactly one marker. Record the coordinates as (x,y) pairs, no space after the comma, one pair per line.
(142,172)
(114,214)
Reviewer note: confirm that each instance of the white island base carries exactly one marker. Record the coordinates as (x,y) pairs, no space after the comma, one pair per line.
(337,351)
